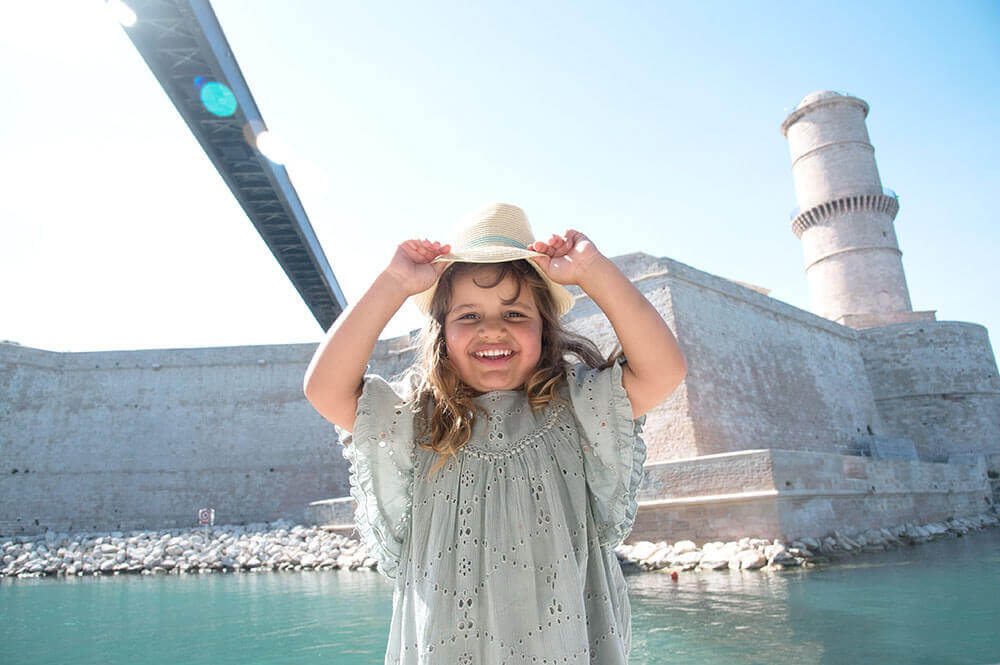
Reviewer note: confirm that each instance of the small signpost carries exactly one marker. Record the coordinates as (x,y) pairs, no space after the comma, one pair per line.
(206,517)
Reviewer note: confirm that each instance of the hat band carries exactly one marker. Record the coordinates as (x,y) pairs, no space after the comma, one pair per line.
(491,239)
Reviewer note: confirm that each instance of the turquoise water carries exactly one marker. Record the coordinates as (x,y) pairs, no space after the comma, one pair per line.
(937,603)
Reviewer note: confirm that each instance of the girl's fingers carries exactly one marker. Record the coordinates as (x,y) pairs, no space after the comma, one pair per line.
(422,248)
(541,261)
(421,242)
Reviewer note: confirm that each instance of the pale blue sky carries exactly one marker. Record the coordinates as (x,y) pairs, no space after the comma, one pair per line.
(651,127)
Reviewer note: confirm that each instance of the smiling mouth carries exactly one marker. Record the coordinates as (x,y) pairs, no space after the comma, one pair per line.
(494,357)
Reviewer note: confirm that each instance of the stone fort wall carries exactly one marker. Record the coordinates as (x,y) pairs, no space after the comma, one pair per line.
(143,439)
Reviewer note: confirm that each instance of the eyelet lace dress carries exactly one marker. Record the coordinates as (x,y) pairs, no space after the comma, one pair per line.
(505,555)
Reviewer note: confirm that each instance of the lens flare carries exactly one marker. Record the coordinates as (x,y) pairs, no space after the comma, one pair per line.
(121,12)
(218,99)
(272,147)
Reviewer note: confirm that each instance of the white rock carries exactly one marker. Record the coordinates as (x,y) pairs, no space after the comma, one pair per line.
(641,551)
(751,560)
(687,558)
(683,547)
(713,563)
(658,559)
(782,557)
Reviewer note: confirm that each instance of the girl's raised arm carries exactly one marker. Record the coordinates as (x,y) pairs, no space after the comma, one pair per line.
(655,365)
(333,380)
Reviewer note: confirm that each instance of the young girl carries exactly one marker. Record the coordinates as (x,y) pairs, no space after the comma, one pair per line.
(494,480)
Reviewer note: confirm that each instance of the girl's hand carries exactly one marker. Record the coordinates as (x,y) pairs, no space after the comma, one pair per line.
(567,257)
(411,264)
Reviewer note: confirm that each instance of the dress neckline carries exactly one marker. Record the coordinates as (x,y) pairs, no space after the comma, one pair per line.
(493,392)
(499,392)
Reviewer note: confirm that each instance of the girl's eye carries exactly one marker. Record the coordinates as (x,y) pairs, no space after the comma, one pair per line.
(472,314)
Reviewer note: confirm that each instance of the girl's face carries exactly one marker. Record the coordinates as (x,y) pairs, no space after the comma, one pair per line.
(478,321)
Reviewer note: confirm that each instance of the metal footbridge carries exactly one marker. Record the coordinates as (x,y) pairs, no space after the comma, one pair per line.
(185,48)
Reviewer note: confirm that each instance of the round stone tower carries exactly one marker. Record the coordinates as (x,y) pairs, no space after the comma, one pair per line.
(934,382)
(844,217)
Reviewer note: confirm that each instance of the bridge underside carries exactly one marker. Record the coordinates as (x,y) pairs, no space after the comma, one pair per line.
(185,48)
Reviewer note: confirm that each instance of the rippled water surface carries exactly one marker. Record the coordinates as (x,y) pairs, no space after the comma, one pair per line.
(936,603)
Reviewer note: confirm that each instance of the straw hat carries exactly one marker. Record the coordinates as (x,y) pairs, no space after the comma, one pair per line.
(496,233)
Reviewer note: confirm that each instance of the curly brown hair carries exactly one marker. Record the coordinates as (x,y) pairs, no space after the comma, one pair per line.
(443,405)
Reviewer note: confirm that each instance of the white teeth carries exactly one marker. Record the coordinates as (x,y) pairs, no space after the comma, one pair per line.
(492,354)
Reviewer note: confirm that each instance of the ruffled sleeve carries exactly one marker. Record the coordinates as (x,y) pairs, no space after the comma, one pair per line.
(613,450)
(380,452)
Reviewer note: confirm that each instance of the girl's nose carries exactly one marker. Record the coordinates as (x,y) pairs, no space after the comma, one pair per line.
(492,326)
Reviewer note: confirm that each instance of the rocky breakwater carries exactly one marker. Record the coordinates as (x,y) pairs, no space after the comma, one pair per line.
(279,545)
(756,554)
(252,548)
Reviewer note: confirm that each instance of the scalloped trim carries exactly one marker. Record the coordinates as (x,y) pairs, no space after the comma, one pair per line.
(632,451)
(372,525)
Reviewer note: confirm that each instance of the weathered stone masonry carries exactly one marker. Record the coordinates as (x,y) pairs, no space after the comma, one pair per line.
(863,414)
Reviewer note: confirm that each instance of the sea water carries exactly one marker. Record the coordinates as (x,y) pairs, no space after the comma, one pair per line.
(935,603)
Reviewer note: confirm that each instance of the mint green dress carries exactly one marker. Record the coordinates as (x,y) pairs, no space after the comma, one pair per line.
(505,556)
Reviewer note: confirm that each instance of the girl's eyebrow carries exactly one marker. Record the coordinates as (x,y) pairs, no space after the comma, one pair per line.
(519,303)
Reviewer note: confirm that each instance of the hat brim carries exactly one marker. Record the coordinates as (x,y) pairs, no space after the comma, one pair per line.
(561,297)
(488,254)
